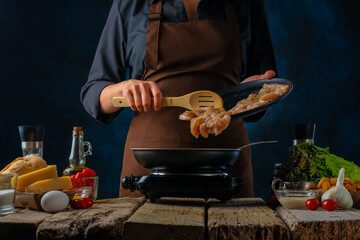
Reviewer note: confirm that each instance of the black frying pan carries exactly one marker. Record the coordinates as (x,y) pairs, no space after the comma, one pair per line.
(189,159)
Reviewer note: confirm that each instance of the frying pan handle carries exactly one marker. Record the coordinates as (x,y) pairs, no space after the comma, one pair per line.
(256,143)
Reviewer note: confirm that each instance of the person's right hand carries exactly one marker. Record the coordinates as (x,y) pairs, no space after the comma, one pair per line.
(138,94)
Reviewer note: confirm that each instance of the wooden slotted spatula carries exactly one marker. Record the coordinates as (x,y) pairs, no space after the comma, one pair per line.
(191,101)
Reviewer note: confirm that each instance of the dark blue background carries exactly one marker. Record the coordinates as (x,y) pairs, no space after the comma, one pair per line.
(47,47)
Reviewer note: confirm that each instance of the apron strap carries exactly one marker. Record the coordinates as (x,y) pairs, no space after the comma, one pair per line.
(191,7)
(153,28)
(231,14)
(152,36)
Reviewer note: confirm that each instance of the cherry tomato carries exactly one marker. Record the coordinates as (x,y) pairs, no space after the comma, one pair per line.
(79,175)
(329,205)
(87,172)
(74,181)
(78,180)
(312,204)
(272,201)
(81,203)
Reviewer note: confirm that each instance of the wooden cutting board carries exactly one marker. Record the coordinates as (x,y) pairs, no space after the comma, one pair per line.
(321,224)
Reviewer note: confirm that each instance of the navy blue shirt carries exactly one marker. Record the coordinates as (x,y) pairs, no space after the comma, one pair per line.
(122,43)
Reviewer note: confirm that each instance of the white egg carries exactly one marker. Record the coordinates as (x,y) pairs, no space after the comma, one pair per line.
(54,201)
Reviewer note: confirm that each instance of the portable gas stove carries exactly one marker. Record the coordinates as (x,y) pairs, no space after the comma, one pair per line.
(187,172)
(202,184)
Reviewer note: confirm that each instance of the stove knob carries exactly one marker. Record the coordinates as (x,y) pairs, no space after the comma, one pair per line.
(128,183)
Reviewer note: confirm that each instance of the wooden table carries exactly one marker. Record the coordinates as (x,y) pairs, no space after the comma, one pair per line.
(136,218)
(102,221)
(321,224)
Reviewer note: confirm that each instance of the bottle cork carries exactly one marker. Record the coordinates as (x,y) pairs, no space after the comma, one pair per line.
(77,130)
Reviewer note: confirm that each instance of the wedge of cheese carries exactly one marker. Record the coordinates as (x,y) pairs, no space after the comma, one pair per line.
(43,186)
(41,174)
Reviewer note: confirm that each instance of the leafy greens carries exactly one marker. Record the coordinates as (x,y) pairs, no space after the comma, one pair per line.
(309,162)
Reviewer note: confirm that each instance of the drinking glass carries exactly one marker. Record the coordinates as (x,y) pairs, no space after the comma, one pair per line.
(8,183)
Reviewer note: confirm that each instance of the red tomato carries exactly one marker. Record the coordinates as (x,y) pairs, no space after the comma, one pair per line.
(74,181)
(312,204)
(77,204)
(81,203)
(272,201)
(329,205)
(89,182)
(87,172)
(78,179)
(79,175)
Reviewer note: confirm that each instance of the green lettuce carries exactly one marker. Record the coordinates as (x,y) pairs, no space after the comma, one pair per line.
(309,162)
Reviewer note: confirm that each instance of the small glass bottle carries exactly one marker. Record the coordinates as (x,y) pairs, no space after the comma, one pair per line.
(77,157)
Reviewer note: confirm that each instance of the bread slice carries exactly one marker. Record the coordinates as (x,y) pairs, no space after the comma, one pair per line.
(23,165)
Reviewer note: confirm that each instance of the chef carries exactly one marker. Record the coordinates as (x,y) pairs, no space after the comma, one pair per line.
(172,48)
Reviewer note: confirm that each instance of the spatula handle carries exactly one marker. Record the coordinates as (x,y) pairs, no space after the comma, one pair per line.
(122,101)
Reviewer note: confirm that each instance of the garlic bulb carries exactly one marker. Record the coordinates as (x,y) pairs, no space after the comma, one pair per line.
(339,193)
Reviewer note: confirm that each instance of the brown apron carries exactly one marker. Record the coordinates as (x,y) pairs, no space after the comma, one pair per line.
(182,58)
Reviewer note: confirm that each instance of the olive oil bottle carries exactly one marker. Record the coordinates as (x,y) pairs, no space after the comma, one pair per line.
(77,157)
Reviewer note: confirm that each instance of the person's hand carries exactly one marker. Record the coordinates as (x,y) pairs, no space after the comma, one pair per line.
(138,94)
(267,75)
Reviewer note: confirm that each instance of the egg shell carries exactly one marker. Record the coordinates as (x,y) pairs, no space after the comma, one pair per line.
(54,201)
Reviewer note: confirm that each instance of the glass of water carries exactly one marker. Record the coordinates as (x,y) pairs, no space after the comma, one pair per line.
(8,184)
(32,140)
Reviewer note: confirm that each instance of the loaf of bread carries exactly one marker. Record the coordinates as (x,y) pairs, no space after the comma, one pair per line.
(23,165)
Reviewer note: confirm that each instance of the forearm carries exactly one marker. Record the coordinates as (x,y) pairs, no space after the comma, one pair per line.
(106,96)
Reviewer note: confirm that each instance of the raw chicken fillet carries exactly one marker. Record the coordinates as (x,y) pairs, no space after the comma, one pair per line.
(211,120)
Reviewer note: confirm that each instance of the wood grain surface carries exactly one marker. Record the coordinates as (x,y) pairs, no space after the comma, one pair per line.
(167,219)
(244,219)
(176,218)
(103,221)
(22,224)
(321,224)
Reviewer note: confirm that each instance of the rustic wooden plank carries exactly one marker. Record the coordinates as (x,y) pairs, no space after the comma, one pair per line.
(321,224)
(168,218)
(22,224)
(103,221)
(244,219)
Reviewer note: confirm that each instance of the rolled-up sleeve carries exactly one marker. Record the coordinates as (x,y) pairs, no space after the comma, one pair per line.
(108,66)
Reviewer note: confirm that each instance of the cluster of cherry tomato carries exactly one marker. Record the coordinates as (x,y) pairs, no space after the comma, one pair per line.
(79,181)
(328,204)
(311,204)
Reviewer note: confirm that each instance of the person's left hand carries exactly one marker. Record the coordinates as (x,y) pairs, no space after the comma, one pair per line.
(267,75)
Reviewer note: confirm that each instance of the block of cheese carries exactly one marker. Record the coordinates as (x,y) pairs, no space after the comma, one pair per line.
(51,184)
(41,174)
